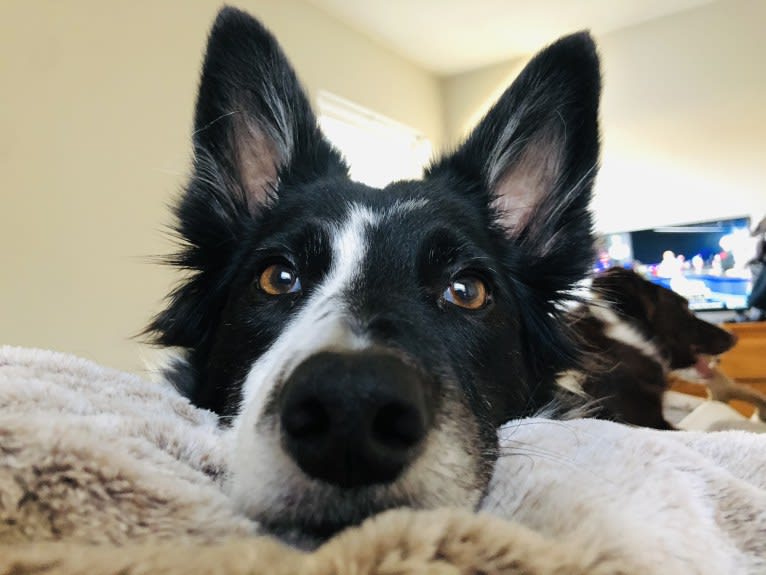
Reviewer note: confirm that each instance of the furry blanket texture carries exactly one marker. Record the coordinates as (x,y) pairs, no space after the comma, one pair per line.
(102,472)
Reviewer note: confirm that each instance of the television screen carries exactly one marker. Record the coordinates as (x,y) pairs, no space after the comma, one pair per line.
(705,262)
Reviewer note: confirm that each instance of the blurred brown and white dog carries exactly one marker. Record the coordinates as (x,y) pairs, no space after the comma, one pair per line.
(633,334)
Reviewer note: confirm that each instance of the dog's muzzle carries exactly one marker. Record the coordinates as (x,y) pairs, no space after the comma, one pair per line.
(355,419)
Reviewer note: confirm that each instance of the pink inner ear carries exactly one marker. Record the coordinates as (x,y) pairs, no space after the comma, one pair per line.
(258,162)
(521,187)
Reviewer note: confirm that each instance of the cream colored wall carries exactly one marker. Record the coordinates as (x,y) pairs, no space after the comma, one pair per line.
(96,106)
(683,116)
(96,102)
(466,97)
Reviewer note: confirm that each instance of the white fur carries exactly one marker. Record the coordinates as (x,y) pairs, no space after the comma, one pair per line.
(321,324)
(620,330)
(572,380)
(404,206)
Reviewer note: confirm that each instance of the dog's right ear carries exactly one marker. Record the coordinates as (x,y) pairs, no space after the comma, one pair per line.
(253,119)
(254,132)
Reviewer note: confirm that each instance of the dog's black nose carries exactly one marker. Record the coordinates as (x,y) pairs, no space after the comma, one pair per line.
(354,419)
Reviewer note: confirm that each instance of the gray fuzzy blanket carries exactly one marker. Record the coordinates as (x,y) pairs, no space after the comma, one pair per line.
(103,472)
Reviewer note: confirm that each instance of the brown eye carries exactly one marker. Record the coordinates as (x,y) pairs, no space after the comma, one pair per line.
(467,292)
(279,279)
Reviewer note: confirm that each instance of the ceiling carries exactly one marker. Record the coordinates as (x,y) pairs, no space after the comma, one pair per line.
(451,36)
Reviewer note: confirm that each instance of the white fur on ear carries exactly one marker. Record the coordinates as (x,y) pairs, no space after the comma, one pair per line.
(519,187)
(260,156)
(534,156)
(253,118)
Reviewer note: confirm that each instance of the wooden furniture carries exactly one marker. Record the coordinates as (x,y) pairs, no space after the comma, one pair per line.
(744,363)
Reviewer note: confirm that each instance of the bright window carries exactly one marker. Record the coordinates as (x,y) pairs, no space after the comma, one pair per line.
(378,150)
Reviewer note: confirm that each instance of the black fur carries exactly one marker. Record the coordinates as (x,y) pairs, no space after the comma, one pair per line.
(266,187)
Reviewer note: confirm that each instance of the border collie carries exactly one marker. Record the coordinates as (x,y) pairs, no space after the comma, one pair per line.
(635,333)
(364,345)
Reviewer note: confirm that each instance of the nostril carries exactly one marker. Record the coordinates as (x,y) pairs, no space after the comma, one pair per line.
(305,419)
(398,426)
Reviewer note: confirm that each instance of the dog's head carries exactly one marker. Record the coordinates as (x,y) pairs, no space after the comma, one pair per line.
(662,316)
(365,344)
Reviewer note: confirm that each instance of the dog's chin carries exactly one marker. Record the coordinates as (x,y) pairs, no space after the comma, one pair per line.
(330,511)
(308,515)
(306,537)
(310,532)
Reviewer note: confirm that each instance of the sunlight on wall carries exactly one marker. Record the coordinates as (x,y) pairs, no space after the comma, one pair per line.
(379,150)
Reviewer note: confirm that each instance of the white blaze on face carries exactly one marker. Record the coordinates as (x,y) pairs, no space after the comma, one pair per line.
(321,325)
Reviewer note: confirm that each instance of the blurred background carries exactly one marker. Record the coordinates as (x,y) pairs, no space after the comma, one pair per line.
(96,105)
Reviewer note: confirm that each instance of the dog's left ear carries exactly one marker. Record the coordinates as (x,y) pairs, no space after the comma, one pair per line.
(534,156)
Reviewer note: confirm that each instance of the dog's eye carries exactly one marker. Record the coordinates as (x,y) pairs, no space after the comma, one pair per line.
(279,279)
(467,292)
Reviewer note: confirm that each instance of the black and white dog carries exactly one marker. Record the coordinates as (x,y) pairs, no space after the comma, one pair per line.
(364,345)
